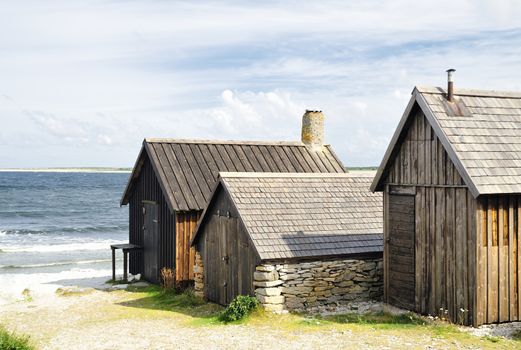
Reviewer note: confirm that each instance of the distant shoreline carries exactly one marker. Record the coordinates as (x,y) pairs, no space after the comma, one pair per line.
(66,170)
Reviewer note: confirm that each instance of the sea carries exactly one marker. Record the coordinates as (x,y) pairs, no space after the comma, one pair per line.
(56,227)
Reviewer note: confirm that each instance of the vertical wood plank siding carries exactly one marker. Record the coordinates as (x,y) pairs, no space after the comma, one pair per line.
(229,258)
(445,225)
(499,235)
(147,188)
(186,223)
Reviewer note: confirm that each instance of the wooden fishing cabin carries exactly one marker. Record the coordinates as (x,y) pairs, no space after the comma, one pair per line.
(172,182)
(451,179)
(255,222)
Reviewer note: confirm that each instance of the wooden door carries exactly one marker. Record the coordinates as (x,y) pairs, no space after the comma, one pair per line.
(400,247)
(221,283)
(150,242)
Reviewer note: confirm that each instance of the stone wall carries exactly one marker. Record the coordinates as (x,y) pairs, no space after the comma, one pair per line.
(198,276)
(316,284)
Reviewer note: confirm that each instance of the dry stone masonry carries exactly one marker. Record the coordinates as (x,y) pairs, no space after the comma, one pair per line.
(198,276)
(316,284)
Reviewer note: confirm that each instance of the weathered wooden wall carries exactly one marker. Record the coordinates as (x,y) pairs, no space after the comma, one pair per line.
(445,225)
(421,158)
(186,223)
(147,188)
(499,263)
(228,255)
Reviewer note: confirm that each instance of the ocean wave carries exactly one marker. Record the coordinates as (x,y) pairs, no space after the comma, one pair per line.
(59,247)
(59,263)
(62,230)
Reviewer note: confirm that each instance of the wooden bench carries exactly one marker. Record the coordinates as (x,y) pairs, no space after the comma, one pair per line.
(126,249)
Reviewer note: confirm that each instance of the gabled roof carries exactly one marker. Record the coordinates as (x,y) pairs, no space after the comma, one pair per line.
(482,137)
(306,215)
(188,169)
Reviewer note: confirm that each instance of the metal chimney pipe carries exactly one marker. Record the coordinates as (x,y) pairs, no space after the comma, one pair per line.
(450,86)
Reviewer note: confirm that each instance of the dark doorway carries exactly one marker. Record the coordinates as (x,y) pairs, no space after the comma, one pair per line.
(401,260)
(150,241)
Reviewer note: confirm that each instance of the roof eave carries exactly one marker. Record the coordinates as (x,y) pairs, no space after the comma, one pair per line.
(133,175)
(447,145)
(376,184)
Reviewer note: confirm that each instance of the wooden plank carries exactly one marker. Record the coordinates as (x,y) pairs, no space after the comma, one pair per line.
(482,271)
(180,176)
(202,183)
(413,134)
(419,249)
(492,263)
(242,162)
(386,242)
(428,158)
(229,164)
(297,163)
(273,166)
(473,261)
(191,179)
(257,167)
(460,249)
(285,160)
(435,162)
(272,156)
(503,260)
(260,158)
(421,147)
(448,298)
(175,189)
(433,224)
(439,252)
(518,257)
(512,298)
(304,155)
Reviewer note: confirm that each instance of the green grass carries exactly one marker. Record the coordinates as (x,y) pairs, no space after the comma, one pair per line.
(12,341)
(186,303)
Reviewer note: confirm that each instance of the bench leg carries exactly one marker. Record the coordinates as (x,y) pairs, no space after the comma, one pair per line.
(125,266)
(113,264)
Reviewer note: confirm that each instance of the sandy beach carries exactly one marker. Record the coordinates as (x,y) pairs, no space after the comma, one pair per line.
(90,314)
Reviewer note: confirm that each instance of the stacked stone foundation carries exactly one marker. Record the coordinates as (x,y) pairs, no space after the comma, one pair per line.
(198,276)
(311,285)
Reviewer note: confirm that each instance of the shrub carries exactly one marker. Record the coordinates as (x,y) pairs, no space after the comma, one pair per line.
(11,341)
(239,308)
(168,281)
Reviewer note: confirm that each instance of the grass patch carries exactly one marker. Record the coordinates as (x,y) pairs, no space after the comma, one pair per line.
(185,302)
(26,293)
(12,341)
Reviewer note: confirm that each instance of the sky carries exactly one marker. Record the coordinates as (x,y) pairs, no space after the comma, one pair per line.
(83,82)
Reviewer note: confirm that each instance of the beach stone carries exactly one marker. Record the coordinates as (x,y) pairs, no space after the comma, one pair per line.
(267,283)
(141,284)
(268,291)
(276,299)
(266,276)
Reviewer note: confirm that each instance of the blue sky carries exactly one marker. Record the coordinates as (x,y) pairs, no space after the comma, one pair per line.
(82,83)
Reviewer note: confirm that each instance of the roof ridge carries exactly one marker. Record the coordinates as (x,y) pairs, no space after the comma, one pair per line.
(227,174)
(469,92)
(224,142)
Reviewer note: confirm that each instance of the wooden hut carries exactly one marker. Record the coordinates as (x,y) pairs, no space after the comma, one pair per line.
(294,240)
(451,180)
(172,182)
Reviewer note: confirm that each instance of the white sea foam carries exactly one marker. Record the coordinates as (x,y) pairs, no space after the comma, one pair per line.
(105,245)
(13,284)
(59,263)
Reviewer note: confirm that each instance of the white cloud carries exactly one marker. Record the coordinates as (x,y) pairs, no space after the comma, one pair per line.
(104,74)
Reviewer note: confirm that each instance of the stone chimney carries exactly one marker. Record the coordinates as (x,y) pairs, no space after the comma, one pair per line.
(313,129)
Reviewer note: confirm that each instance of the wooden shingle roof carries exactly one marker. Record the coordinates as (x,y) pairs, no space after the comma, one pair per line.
(187,170)
(307,215)
(482,138)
